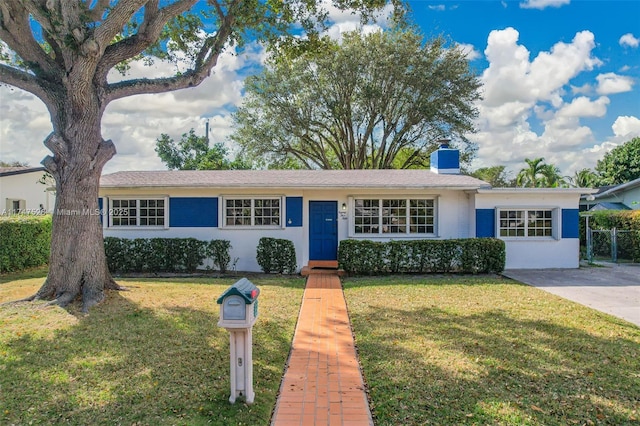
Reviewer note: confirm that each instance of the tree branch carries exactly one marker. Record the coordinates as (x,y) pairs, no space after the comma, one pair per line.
(24,81)
(154,21)
(190,78)
(98,10)
(15,31)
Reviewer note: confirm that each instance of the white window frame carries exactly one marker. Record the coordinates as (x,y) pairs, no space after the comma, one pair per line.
(380,233)
(253,198)
(555,222)
(112,210)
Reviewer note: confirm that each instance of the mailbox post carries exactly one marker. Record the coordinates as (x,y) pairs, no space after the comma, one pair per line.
(238,313)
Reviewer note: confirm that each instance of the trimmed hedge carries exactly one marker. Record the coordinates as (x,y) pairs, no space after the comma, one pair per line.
(276,255)
(25,242)
(469,256)
(164,254)
(622,220)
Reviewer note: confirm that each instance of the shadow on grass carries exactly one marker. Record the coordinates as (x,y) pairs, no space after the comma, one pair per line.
(129,364)
(430,365)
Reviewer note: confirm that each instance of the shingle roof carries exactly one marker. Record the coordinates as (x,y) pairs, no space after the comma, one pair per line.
(397,179)
(9,171)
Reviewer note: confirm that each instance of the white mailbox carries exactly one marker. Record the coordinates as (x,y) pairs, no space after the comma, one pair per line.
(238,313)
(239,305)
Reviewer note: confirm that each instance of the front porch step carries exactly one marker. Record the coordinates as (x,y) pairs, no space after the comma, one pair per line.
(322,267)
(328,264)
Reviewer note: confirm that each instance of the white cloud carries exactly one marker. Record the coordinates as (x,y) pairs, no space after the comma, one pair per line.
(530,108)
(626,127)
(346,21)
(470,50)
(134,123)
(629,40)
(612,83)
(542,4)
(437,7)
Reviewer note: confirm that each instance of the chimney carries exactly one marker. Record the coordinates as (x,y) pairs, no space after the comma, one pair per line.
(445,160)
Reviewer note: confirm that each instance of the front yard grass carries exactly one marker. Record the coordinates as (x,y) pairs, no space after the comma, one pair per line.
(490,351)
(153,355)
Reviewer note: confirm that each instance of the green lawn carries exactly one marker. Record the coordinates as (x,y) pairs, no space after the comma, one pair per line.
(489,351)
(150,356)
(443,351)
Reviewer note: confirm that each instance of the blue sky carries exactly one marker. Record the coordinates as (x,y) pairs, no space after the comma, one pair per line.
(561,80)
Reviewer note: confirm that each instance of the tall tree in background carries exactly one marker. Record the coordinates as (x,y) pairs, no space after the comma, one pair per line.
(193,152)
(552,177)
(584,178)
(64,51)
(376,101)
(13,164)
(621,164)
(531,176)
(496,176)
(539,174)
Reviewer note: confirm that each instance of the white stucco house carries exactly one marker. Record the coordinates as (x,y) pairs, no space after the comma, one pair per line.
(316,209)
(20,191)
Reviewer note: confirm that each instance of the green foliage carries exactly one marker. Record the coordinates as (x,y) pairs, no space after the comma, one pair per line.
(621,164)
(374,101)
(218,251)
(539,174)
(496,176)
(621,220)
(584,178)
(25,241)
(192,152)
(469,255)
(276,255)
(13,163)
(164,254)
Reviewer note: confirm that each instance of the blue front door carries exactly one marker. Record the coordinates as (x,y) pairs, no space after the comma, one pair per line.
(323,230)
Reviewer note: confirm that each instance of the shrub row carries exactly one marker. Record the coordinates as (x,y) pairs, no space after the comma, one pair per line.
(276,255)
(25,242)
(164,254)
(470,255)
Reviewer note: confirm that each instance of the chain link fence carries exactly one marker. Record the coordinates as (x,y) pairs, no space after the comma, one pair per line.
(609,244)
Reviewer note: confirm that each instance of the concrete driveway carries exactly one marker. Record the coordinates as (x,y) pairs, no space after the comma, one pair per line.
(614,289)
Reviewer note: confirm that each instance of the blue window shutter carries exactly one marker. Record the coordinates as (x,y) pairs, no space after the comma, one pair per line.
(485,223)
(570,223)
(193,212)
(294,212)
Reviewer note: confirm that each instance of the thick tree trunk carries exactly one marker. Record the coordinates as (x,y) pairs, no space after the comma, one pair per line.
(77,264)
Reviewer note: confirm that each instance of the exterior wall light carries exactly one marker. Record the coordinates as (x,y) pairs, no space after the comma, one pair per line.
(344,207)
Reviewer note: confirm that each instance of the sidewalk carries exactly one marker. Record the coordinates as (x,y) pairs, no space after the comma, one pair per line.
(322,384)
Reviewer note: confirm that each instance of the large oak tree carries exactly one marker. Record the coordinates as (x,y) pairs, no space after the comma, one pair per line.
(63,52)
(374,101)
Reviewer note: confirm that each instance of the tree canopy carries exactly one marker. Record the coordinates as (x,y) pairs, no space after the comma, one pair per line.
(621,164)
(375,101)
(496,176)
(192,152)
(66,52)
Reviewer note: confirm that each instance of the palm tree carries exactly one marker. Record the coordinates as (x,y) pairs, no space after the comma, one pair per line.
(585,178)
(531,176)
(552,177)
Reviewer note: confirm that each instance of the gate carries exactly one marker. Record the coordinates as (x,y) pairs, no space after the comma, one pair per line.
(609,244)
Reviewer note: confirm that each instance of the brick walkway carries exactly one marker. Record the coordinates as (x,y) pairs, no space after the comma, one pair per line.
(322,384)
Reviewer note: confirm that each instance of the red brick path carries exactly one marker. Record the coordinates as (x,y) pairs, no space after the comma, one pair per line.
(322,384)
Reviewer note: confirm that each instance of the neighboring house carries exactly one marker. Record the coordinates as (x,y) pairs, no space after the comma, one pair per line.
(20,191)
(625,196)
(316,209)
